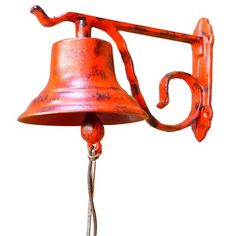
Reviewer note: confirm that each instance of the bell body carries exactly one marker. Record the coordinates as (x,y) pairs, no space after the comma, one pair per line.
(82,80)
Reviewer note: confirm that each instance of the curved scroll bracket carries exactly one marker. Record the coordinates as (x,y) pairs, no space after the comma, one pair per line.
(196,91)
(200,120)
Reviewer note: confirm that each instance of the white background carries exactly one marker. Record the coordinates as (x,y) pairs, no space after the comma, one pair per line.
(148,182)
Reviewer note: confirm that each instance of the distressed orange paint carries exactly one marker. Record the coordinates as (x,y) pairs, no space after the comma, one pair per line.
(82,78)
(83,89)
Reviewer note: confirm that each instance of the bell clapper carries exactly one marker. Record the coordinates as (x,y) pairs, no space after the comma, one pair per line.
(92,132)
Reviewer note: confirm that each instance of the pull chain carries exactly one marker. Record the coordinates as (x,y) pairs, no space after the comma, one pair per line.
(91,183)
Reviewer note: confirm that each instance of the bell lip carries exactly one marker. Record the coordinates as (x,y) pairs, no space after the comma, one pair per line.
(56,118)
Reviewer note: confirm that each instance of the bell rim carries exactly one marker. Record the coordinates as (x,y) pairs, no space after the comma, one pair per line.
(116,118)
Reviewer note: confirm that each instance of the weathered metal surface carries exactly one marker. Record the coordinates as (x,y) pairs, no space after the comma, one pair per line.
(93,21)
(199,82)
(82,80)
(202,70)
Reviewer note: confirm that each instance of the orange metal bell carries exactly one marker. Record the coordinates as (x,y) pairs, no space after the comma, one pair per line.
(82,80)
